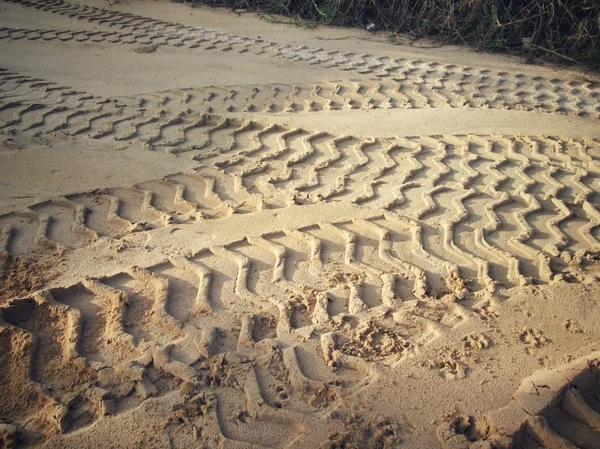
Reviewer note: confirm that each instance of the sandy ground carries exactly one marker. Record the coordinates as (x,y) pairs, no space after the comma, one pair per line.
(218,231)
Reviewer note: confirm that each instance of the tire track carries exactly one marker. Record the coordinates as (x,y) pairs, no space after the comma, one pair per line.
(167,327)
(247,167)
(168,121)
(416,83)
(268,339)
(553,408)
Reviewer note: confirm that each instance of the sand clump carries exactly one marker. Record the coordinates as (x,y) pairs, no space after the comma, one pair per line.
(21,276)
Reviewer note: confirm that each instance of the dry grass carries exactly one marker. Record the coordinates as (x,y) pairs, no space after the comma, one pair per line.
(565,31)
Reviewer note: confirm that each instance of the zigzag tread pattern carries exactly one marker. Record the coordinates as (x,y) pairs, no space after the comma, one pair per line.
(416,83)
(527,204)
(342,298)
(172,121)
(318,309)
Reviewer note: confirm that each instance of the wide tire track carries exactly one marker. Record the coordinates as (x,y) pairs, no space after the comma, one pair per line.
(170,326)
(527,203)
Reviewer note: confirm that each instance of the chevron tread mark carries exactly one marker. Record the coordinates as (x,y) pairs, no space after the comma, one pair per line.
(527,203)
(147,331)
(150,329)
(245,320)
(416,83)
(179,121)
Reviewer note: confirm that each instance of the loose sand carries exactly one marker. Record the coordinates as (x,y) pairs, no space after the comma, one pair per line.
(218,231)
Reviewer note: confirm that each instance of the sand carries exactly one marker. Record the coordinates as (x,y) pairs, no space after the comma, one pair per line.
(218,231)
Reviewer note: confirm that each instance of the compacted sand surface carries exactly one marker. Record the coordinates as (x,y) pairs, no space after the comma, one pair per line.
(217,231)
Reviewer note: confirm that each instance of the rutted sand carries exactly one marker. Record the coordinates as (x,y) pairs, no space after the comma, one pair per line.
(262,236)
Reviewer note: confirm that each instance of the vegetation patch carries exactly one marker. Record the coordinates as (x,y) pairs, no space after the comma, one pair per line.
(564,31)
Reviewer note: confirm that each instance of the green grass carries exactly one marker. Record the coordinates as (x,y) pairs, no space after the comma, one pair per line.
(564,31)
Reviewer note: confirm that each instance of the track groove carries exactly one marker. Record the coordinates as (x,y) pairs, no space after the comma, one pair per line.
(176,123)
(271,335)
(531,190)
(561,414)
(138,323)
(415,83)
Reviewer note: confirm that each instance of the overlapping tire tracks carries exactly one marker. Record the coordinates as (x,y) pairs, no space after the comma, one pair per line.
(395,82)
(457,220)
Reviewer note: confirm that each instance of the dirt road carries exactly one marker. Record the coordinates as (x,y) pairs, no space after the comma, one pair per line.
(217,231)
